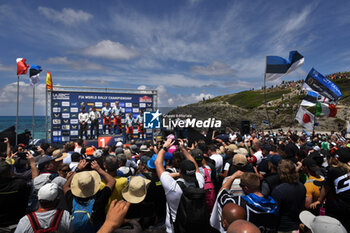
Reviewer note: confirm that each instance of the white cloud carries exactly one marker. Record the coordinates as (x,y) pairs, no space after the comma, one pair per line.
(8,93)
(214,69)
(74,64)
(7,68)
(166,99)
(110,50)
(142,87)
(67,16)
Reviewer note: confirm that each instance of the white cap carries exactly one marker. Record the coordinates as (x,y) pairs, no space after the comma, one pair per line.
(321,224)
(48,192)
(119,144)
(317,148)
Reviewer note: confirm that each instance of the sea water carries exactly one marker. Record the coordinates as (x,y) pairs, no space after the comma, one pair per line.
(25,122)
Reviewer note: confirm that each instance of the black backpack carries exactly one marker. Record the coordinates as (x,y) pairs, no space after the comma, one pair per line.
(192,214)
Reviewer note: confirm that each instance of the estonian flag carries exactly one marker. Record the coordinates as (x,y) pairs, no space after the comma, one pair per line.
(277,67)
(34,73)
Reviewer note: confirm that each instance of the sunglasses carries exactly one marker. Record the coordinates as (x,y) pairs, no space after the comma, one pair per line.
(65,170)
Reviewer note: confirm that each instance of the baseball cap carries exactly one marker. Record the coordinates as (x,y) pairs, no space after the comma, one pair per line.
(44,160)
(242,151)
(119,150)
(321,224)
(98,154)
(168,156)
(231,147)
(344,155)
(239,160)
(144,159)
(275,159)
(197,154)
(119,144)
(188,171)
(310,164)
(89,151)
(48,192)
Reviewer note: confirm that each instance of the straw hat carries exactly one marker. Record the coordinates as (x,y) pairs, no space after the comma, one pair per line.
(85,184)
(64,155)
(136,190)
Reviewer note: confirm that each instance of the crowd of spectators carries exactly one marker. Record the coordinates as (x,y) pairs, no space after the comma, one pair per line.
(256,182)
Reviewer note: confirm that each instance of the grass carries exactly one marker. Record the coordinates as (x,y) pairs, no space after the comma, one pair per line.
(253,99)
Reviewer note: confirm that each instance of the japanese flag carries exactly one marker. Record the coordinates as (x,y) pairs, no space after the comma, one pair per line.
(305,118)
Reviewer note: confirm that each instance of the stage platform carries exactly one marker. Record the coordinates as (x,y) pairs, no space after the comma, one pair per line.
(111,139)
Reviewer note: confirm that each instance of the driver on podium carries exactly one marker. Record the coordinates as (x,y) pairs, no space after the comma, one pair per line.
(106,117)
(129,126)
(140,128)
(117,121)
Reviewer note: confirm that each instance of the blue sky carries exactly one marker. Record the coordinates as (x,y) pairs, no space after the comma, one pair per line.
(184,49)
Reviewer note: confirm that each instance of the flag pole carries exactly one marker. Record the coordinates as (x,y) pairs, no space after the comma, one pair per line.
(17,109)
(33,121)
(267,115)
(46,123)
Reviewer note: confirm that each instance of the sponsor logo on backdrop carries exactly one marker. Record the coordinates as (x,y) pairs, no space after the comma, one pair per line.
(65,104)
(135,105)
(65,133)
(74,126)
(65,121)
(149,109)
(65,109)
(145,99)
(65,139)
(142,105)
(74,115)
(128,105)
(65,127)
(56,109)
(65,115)
(56,104)
(56,127)
(57,115)
(98,104)
(135,110)
(128,110)
(56,139)
(56,133)
(74,133)
(74,121)
(149,105)
(56,121)
(74,104)
(74,109)
(152,120)
(60,96)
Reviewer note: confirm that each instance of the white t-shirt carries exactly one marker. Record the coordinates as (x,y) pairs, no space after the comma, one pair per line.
(173,194)
(219,162)
(227,166)
(44,219)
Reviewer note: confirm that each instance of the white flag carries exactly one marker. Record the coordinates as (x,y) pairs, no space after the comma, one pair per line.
(305,118)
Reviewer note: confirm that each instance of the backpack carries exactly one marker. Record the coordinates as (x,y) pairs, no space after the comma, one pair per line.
(53,226)
(209,190)
(192,213)
(81,216)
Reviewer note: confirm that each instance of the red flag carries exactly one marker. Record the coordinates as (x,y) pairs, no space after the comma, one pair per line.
(22,67)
